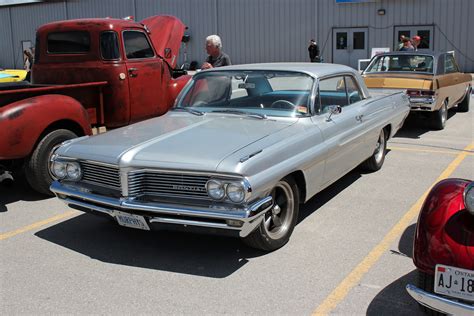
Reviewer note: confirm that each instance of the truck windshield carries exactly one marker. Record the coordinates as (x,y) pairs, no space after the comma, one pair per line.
(401,63)
(260,92)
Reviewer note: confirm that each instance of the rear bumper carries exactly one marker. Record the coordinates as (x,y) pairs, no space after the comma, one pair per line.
(439,303)
(233,221)
(423,104)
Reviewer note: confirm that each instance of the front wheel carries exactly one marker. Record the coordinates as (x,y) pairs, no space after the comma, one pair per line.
(37,167)
(375,162)
(278,223)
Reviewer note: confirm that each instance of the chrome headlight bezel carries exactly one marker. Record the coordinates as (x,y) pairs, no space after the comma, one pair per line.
(73,171)
(227,186)
(67,166)
(468,197)
(58,169)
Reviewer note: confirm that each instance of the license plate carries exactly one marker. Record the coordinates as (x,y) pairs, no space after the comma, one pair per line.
(131,220)
(454,282)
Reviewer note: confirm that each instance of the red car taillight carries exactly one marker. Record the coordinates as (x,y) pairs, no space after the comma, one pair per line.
(420,93)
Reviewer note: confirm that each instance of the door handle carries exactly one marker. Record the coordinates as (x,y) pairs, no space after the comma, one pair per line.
(359,117)
(132,72)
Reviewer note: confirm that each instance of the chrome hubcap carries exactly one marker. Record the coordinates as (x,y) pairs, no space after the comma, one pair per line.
(444,114)
(277,221)
(380,147)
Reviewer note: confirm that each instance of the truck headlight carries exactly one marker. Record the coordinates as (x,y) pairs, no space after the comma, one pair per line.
(73,171)
(235,192)
(58,169)
(469,197)
(215,189)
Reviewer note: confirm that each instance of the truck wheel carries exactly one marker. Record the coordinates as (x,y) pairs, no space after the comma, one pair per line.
(37,167)
(441,116)
(278,223)
(426,283)
(375,162)
(464,105)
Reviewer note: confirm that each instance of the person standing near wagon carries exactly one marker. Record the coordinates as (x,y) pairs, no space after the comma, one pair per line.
(216,58)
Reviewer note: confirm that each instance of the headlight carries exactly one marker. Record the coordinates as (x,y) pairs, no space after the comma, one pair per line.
(73,171)
(235,192)
(215,189)
(469,198)
(58,169)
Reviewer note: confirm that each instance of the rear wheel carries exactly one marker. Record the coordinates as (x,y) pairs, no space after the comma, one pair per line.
(375,162)
(464,105)
(440,117)
(280,220)
(37,167)
(426,283)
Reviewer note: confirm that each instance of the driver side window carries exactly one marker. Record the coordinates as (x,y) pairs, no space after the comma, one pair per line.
(332,91)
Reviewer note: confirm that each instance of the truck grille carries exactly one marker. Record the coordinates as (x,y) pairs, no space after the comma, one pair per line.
(101,175)
(161,184)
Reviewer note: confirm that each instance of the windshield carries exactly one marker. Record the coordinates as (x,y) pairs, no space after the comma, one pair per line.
(403,63)
(256,92)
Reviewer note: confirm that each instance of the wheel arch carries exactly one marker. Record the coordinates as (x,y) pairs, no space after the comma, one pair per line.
(300,181)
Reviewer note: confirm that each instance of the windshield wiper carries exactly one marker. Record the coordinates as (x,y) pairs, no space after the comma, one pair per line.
(192,111)
(238,112)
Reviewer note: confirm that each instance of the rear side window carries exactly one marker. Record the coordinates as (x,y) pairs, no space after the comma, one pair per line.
(353,90)
(109,47)
(450,65)
(136,45)
(75,42)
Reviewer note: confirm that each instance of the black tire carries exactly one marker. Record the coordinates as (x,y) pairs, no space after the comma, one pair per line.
(278,223)
(464,105)
(440,117)
(37,166)
(375,162)
(426,283)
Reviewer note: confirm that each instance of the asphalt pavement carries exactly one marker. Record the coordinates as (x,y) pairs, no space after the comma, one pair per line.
(350,253)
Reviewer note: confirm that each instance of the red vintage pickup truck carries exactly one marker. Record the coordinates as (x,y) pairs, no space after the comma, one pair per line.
(87,73)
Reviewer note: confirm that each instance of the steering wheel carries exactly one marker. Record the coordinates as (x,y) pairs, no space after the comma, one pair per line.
(283,104)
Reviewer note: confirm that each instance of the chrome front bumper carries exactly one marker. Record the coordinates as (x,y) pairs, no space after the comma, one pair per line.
(439,303)
(212,217)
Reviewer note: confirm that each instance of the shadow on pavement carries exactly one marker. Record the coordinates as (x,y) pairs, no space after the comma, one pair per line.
(395,300)
(18,190)
(405,245)
(416,125)
(194,254)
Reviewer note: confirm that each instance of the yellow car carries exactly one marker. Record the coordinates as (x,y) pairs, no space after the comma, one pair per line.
(432,81)
(12,75)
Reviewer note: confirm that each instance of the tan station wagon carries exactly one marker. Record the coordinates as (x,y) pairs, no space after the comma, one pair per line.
(432,80)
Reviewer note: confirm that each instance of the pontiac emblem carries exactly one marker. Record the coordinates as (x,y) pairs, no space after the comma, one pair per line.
(189,188)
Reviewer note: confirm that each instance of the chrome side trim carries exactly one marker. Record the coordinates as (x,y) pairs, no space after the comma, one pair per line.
(439,303)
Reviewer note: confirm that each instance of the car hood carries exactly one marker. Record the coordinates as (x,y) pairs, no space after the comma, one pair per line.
(176,140)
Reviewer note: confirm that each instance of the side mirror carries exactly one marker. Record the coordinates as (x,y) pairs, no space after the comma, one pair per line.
(333,110)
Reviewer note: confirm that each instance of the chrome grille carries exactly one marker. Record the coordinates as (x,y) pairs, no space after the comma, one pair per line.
(163,184)
(100,174)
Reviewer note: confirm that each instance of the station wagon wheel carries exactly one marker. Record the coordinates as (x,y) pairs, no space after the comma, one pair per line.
(441,116)
(464,105)
(278,223)
(375,162)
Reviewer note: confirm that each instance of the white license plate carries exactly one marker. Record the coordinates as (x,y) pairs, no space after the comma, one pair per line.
(131,220)
(454,282)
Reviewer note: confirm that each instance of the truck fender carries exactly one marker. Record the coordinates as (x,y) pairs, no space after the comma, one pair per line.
(22,123)
(175,87)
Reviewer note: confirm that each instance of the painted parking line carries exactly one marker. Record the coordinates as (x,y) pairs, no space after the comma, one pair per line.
(341,291)
(428,151)
(37,224)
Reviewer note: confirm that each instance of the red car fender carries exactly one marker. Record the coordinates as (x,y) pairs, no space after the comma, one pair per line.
(23,122)
(445,229)
(175,87)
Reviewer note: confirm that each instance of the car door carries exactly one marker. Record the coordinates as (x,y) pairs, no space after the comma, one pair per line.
(145,71)
(342,132)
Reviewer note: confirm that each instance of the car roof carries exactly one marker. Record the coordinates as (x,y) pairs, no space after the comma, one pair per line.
(312,69)
(423,52)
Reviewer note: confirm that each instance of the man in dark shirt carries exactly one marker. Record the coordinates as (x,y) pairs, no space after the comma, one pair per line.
(313,50)
(216,58)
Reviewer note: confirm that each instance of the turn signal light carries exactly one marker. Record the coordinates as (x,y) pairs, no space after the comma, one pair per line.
(420,93)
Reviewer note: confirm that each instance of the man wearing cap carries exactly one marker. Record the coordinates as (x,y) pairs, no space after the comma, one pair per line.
(415,41)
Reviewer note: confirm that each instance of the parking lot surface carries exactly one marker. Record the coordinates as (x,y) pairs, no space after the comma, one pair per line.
(349,254)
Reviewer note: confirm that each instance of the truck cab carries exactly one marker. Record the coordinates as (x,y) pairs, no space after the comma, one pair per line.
(135,59)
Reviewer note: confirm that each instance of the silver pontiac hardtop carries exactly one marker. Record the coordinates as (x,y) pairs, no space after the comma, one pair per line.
(241,149)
